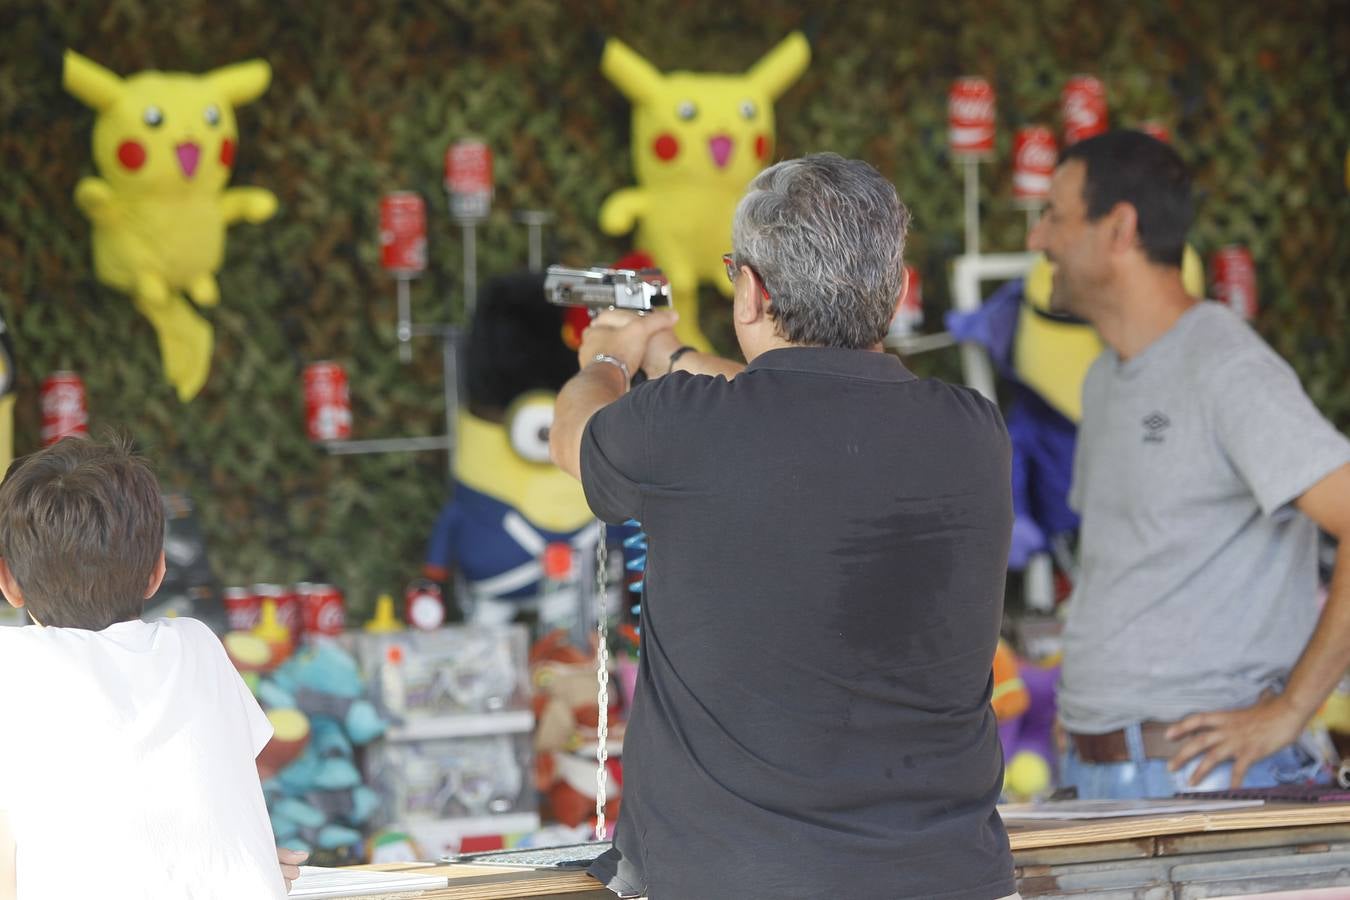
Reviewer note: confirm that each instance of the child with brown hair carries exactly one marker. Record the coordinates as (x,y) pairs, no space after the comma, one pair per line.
(128,745)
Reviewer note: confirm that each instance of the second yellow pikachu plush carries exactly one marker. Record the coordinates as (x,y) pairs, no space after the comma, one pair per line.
(698,139)
(164,148)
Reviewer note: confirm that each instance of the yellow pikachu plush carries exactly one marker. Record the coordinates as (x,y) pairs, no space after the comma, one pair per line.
(164,146)
(698,140)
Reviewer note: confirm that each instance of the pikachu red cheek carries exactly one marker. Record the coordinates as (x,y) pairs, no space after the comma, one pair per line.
(227,153)
(763,146)
(131,154)
(666,147)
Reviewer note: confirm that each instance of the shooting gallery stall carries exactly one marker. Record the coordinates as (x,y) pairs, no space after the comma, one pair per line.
(1286,850)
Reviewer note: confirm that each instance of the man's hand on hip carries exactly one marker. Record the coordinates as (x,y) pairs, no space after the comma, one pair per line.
(623,335)
(1242,735)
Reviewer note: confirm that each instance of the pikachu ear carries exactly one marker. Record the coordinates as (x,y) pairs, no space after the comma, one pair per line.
(781,66)
(90,83)
(638,79)
(241,82)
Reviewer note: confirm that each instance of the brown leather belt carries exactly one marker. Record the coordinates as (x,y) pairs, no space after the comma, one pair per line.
(1111,747)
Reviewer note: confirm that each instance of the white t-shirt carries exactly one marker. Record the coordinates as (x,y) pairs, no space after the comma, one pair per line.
(127,765)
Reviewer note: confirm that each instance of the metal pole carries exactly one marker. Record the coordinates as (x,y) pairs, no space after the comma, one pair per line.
(972,206)
(536,258)
(534,221)
(404,320)
(450,384)
(470,268)
(1033,216)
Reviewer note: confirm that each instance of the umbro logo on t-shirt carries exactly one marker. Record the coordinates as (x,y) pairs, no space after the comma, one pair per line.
(1155,423)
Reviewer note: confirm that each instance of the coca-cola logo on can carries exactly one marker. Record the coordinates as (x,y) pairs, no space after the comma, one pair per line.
(1034,158)
(324,610)
(285,601)
(970,116)
(328,408)
(1235,280)
(242,608)
(63,407)
(1083,106)
(468,178)
(289,612)
(403,233)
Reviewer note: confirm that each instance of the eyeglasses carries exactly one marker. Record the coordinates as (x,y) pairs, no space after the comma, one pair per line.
(729,261)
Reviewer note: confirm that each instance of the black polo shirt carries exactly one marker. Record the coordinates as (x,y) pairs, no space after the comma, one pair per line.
(828,536)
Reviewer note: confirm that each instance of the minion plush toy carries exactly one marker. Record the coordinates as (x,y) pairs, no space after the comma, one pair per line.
(164,147)
(509,501)
(1045,357)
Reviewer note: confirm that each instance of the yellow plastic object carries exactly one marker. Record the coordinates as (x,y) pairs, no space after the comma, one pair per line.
(1052,356)
(697,141)
(164,148)
(1027,775)
(486,461)
(6,431)
(384,621)
(269,628)
(1335,712)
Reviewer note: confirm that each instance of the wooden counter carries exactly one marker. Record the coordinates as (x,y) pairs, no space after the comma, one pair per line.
(1190,855)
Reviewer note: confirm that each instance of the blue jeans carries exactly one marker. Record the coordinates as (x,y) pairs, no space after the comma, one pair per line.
(1142,777)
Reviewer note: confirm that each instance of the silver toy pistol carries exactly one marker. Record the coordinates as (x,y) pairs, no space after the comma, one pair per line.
(598,288)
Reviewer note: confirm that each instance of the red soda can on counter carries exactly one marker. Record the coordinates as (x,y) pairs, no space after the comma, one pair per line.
(1083,105)
(63,407)
(468,179)
(1235,280)
(1034,158)
(289,611)
(403,233)
(243,608)
(970,117)
(287,602)
(328,404)
(324,610)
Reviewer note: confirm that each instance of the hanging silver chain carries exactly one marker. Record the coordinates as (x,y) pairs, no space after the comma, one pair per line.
(602,678)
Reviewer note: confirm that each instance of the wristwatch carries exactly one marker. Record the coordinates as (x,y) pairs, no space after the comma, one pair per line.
(675,357)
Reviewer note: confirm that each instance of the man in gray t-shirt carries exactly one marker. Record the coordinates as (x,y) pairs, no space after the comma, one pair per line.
(1194,652)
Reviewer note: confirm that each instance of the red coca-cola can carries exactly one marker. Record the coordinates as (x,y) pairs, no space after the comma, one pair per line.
(1156,129)
(63,407)
(468,179)
(1034,158)
(1083,106)
(970,117)
(287,603)
(328,404)
(403,233)
(325,612)
(1235,279)
(243,608)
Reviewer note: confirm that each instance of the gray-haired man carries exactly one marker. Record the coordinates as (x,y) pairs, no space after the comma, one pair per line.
(828,536)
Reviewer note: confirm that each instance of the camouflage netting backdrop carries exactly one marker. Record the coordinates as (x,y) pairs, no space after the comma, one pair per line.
(366,96)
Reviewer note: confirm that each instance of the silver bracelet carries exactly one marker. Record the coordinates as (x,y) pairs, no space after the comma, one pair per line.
(614,361)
